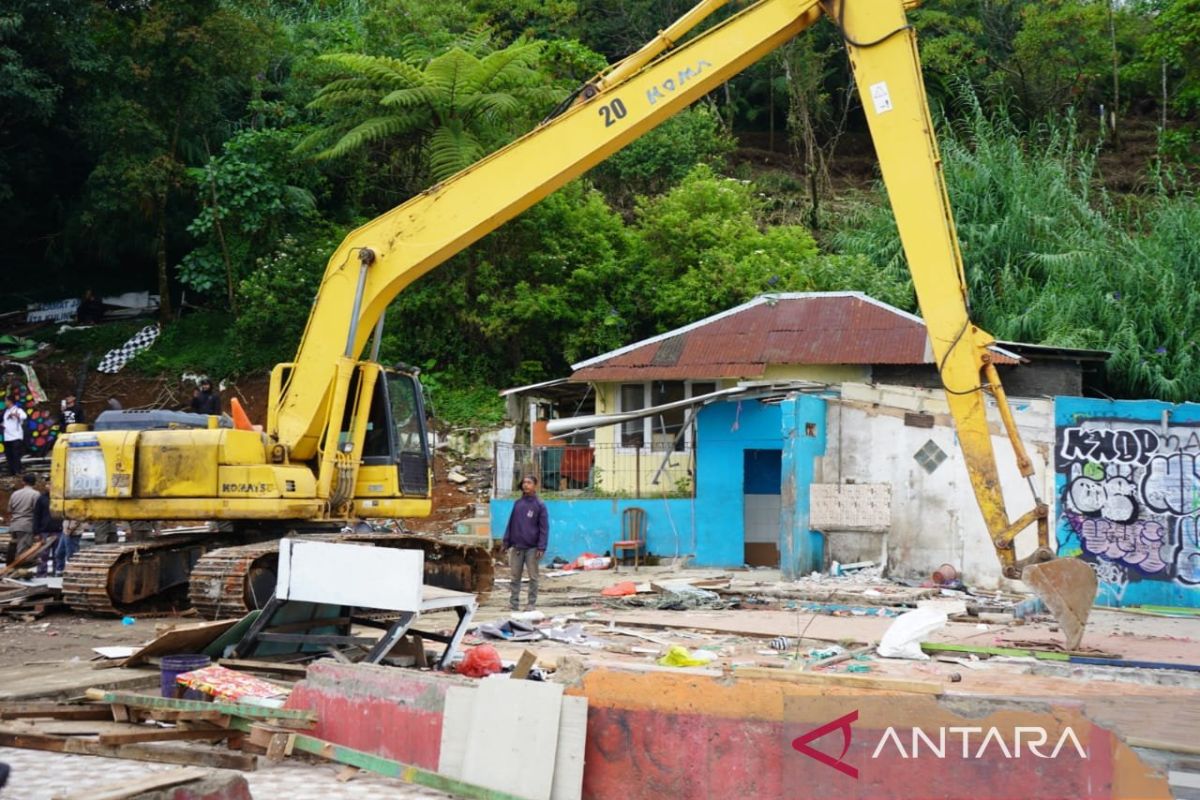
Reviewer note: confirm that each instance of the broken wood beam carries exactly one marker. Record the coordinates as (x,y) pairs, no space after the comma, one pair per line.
(53,711)
(841,679)
(163,735)
(136,752)
(293,717)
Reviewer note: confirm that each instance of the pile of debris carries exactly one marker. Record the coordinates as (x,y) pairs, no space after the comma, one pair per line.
(28,600)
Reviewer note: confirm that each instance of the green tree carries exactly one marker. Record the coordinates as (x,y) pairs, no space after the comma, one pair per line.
(181,65)
(457,105)
(249,195)
(703,251)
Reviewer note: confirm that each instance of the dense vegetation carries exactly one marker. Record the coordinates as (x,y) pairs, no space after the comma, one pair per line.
(218,150)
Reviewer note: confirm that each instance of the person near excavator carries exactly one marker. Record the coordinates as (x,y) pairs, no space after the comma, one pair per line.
(525,539)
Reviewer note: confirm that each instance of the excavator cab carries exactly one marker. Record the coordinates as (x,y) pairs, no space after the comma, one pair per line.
(394,472)
(396,435)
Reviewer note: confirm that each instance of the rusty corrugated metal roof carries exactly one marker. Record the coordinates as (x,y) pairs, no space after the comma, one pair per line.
(802,329)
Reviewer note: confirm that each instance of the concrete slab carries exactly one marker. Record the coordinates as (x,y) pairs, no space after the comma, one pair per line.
(62,679)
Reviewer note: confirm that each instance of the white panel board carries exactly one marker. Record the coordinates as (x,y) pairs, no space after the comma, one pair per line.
(350,574)
(514,737)
(456,728)
(572,740)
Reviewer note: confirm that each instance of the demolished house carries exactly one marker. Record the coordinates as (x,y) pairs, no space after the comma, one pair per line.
(799,430)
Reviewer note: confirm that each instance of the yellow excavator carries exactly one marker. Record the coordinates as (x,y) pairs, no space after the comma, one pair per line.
(345,438)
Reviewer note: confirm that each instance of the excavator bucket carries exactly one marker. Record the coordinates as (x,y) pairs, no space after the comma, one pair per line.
(1068,588)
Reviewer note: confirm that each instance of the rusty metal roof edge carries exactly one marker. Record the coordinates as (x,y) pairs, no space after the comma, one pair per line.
(757,301)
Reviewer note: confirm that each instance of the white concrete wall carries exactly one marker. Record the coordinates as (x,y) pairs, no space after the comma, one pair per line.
(935,519)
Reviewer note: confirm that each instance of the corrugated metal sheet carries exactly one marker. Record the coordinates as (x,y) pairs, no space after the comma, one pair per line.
(811,330)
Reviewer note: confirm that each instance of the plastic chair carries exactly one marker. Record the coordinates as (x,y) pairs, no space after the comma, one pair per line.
(633,536)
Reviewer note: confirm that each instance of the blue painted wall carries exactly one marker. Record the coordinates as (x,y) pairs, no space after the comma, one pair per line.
(1128,486)
(592,525)
(710,526)
(803,428)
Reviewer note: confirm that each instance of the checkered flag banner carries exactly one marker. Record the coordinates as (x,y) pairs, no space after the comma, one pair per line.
(114,360)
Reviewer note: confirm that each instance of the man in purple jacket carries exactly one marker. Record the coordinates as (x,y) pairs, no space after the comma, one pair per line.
(525,540)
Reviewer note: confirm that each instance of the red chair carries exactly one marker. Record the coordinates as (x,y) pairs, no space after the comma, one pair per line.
(633,536)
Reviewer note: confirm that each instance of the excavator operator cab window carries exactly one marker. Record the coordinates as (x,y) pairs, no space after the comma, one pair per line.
(407,408)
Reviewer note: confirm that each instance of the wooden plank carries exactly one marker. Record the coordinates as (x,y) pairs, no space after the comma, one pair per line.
(387,767)
(74,727)
(264,666)
(514,736)
(53,711)
(840,679)
(568,760)
(124,789)
(162,735)
(135,752)
(456,727)
(182,639)
(296,715)
(524,664)
(981,650)
(26,556)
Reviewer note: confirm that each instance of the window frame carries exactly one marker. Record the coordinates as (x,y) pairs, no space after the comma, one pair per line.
(647,426)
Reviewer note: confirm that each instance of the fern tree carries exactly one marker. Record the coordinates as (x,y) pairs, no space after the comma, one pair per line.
(454,106)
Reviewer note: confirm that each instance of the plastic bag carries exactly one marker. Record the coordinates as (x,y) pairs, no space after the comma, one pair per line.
(679,657)
(619,589)
(480,661)
(590,561)
(903,639)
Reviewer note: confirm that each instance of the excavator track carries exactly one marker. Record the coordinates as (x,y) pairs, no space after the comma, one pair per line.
(233,580)
(119,579)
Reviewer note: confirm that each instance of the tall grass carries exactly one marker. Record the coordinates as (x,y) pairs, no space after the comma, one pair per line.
(1050,259)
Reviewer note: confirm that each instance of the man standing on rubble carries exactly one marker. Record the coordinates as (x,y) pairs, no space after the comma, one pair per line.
(21,507)
(525,539)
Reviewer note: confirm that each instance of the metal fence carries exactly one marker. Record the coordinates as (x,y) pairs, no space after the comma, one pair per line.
(603,470)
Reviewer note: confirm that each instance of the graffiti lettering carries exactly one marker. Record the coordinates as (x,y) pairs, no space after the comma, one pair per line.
(1187,561)
(1138,544)
(1172,484)
(1130,501)
(1105,446)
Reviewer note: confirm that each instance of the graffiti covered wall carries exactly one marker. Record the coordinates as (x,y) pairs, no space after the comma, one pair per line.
(1128,483)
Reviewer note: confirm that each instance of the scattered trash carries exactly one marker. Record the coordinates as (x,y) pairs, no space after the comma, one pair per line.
(514,630)
(128,620)
(826,652)
(858,668)
(781,643)
(590,561)
(619,589)
(944,575)
(903,639)
(680,657)
(527,616)
(1029,608)
(480,661)
(837,569)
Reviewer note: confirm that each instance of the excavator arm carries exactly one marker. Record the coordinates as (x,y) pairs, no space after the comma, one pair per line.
(883,54)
